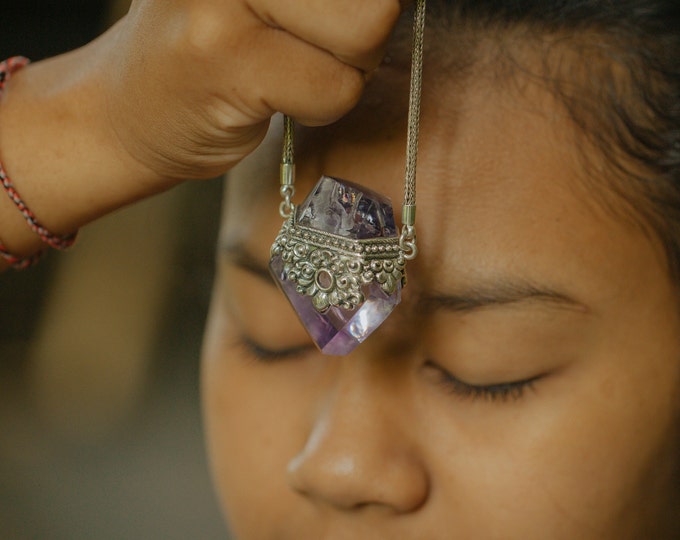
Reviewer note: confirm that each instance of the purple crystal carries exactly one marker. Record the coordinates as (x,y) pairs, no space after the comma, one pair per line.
(347,209)
(353,213)
(338,331)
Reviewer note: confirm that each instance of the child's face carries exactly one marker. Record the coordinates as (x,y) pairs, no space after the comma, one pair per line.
(521,275)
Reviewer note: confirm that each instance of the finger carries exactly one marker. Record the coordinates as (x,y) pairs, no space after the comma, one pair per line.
(279,72)
(354,31)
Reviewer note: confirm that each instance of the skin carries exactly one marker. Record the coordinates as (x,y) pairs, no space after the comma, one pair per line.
(391,441)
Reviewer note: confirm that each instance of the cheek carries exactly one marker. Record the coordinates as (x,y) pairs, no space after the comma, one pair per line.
(572,460)
(253,426)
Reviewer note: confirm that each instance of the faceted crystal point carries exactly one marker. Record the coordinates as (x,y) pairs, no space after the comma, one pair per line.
(338,261)
(347,209)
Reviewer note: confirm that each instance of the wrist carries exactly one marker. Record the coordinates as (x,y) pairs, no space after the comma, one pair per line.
(57,145)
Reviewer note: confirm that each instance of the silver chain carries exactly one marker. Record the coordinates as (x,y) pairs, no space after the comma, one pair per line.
(287,190)
(407,240)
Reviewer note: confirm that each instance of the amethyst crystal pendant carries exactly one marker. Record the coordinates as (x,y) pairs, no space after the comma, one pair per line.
(338,260)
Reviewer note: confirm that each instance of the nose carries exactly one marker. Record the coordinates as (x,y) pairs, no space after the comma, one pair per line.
(359,452)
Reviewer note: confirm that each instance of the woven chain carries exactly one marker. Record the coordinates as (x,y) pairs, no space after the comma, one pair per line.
(288,156)
(287,168)
(407,240)
(414,104)
(408,233)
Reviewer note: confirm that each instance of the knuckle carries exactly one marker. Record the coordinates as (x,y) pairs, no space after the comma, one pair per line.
(339,97)
(374,23)
(202,29)
(350,89)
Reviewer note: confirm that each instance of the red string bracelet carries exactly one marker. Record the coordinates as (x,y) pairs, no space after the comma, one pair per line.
(8,67)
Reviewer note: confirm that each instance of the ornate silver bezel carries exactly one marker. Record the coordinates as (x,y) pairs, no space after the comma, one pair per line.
(333,269)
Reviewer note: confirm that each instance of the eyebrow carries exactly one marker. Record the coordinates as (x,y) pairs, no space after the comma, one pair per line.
(499,292)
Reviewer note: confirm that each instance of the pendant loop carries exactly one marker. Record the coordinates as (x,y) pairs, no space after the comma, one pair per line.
(287,208)
(407,242)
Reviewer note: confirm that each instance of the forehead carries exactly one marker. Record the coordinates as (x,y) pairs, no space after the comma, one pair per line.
(476,137)
(500,184)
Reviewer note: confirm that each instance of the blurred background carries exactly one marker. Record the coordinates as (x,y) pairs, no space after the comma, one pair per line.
(100,428)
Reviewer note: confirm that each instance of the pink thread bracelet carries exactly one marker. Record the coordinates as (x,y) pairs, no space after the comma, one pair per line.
(8,67)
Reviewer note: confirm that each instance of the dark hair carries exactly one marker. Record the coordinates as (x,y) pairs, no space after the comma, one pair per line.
(627,99)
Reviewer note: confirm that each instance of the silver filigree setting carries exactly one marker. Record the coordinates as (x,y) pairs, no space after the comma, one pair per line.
(333,269)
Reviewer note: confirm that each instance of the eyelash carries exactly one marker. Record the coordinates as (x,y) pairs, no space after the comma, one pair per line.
(492,392)
(264,355)
(503,392)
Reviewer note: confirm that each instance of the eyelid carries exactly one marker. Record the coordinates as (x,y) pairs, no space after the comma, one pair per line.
(501,391)
(267,355)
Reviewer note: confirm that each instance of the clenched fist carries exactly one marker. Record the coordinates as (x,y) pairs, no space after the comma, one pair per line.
(194,82)
(177,89)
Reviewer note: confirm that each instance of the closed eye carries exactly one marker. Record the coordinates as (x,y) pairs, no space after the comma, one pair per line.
(264,354)
(501,391)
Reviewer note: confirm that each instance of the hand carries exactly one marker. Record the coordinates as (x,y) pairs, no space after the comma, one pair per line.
(177,89)
(194,82)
